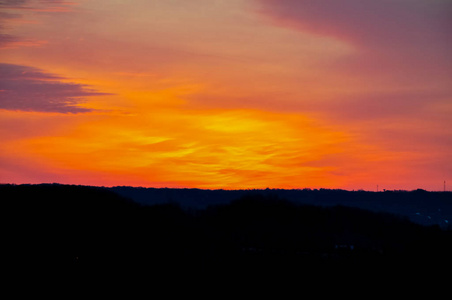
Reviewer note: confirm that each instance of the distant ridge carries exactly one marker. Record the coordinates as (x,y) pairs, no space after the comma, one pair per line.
(257,235)
(420,206)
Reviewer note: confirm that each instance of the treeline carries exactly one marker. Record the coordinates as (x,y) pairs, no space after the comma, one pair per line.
(422,207)
(87,227)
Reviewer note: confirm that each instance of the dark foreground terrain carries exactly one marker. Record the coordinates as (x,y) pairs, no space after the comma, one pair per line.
(90,229)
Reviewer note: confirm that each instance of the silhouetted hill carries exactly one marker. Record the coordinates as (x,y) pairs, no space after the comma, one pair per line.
(422,207)
(58,223)
(84,228)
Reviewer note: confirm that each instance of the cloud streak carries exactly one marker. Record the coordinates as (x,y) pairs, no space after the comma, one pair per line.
(10,9)
(389,34)
(367,22)
(30,89)
(40,6)
(403,60)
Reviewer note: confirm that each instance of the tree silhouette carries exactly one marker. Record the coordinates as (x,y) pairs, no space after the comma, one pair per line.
(88,227)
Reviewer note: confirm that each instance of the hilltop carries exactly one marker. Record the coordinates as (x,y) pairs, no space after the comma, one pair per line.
(260,232)
(419,206)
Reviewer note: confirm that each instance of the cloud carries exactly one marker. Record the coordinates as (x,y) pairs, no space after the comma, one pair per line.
(367,22)
(6,15)
(379,106)
(390,35)
(400,72)
(43,6)
(13,3)
(7,39)
(30,89)
(13,41)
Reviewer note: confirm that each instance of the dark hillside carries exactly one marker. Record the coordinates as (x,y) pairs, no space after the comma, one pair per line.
(422,207)
(59,223)
(85,228)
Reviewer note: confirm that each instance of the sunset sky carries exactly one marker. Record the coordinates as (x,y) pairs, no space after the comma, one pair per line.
(227,93)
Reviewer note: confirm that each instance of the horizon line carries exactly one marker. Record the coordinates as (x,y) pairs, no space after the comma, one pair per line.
(236,189)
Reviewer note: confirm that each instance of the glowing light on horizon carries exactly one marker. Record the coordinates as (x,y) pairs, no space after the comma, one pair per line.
(226,94)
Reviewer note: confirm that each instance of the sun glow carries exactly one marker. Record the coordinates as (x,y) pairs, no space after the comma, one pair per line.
(195,146)
(225,94)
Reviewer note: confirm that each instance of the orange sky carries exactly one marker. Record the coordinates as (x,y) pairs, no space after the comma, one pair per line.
(227,94)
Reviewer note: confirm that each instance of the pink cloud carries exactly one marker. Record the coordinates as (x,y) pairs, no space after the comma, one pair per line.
(8,41)
(41,6)
(367,22)
(29,89)
(13,10)
(411,38)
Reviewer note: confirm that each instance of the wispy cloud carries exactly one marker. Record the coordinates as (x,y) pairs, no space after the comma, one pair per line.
(8,41)
(41,5)
(367,22)
(402,65)
(15,9)
(30,89)
(390,35)
(13,3)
